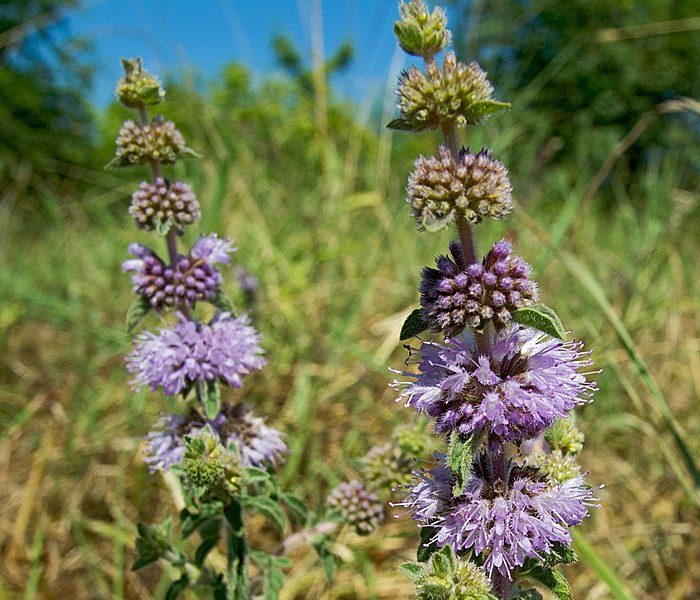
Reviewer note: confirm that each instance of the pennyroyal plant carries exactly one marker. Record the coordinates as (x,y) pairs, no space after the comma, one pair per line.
(496,507)
(222,456)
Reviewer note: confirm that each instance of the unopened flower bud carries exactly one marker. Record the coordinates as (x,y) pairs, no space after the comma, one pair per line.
(457,295)
(446,576)
(358,507)
(410,439)
(456,93)
(138,87)
(159,141)
(475,186)
(559,467)
(387,466)
(420,32)
(157,203)
(210,471)
(565,436)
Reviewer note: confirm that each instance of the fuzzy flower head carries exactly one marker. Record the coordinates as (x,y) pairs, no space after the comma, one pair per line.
(525,515)
(138,87)
(527,382)
(175,358)
(359,508)
(159,203)
(473,187)
(235,427)
(256,443)
(420,32)
(159,141)
(195,278)
(457,294)
(456,93)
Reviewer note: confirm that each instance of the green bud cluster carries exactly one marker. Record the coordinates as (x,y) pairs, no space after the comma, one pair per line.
(158,141)
(210,471)
(420,32)
(410,439)
(448,577)
(559,467)
(391,465)
(456,93)
(138,87)
(387,466)
(475,186)
(565,436)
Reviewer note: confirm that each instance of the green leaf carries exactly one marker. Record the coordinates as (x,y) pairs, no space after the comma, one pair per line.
(164,227)
(297,507)
(191,521)
(413,325)
(412,570)
(203,549)
(427,545)
(210,532)
(137,310)
(561,554)
(460,456)
(177,587)
(255,476)
(480,110)
(432,224)
(224,303)
(541,317)
(402,124)
(329,561)
(552,580)
(212,399)
(267,507)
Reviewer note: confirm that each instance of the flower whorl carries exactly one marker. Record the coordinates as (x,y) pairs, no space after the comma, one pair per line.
(458,93)
(158,141)
(457,295)
(194,278)
(359,508)
(475,186)
(159,202)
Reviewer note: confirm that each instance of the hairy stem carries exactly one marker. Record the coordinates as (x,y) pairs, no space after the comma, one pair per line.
(237,553)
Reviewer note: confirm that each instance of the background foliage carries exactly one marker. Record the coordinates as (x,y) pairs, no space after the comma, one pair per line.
(311,188)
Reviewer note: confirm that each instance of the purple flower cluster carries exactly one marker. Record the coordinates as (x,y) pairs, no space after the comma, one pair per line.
(257,444)
(194,278)
(160,201)
(227,348)
(528,381)
(504,521)
(457,294)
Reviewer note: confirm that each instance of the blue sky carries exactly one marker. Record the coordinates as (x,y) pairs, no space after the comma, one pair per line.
(206,34)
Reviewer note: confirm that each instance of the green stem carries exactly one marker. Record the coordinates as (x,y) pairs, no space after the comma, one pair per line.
(237,553)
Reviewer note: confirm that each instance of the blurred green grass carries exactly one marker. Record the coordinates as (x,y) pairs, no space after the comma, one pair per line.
(338,261)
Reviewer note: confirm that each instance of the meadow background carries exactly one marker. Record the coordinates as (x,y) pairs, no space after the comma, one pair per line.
(602,144)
